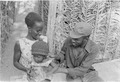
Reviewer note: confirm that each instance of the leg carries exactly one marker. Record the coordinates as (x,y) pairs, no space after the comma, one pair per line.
(59,77)
(92,77)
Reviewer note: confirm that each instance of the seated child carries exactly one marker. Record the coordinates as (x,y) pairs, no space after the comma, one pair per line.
(43,65)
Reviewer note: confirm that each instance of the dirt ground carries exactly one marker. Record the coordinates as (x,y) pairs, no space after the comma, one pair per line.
(7,68)
(109,71)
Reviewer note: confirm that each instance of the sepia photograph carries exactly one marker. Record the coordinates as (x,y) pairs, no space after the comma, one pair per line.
(60,41)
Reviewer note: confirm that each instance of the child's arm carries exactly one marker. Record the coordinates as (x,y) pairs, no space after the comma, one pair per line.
(53,66)
(17,55)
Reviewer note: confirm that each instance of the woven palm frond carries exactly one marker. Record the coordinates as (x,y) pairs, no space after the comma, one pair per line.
(102,15)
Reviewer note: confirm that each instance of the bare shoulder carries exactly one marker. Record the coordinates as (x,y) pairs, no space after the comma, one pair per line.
(17,46)
(17,51)
(18,42)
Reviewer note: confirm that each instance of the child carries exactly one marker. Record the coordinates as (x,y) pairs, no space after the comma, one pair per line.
(43,65)
(22,49)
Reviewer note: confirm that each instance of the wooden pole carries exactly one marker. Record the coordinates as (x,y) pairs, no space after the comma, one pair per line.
(51,22)
(42,10)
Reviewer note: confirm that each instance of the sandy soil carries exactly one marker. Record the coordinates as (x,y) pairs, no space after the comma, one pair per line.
(7,68)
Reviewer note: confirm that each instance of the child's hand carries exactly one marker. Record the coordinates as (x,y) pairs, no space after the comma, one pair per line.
(51,55)
(32,73)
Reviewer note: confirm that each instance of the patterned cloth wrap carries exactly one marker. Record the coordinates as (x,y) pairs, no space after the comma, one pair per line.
(41,48)
(41,69)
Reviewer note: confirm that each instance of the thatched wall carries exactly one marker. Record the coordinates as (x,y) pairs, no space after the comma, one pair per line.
(103,15)
(7,17)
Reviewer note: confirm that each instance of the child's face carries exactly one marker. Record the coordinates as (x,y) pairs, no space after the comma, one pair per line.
(36,30)
(38,58)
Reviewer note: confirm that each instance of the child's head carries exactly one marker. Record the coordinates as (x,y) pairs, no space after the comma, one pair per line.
(40,51)
(38,58)
(35,24)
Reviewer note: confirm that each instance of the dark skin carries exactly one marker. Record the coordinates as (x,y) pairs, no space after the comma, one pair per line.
(17,55)
(41,58)
(76,42)
(35,31)
(79,41)
(33,34)
(51,68)
(38,58)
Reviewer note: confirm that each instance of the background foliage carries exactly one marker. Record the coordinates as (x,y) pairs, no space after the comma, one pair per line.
(7,17)
(103,15)
(43,8)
